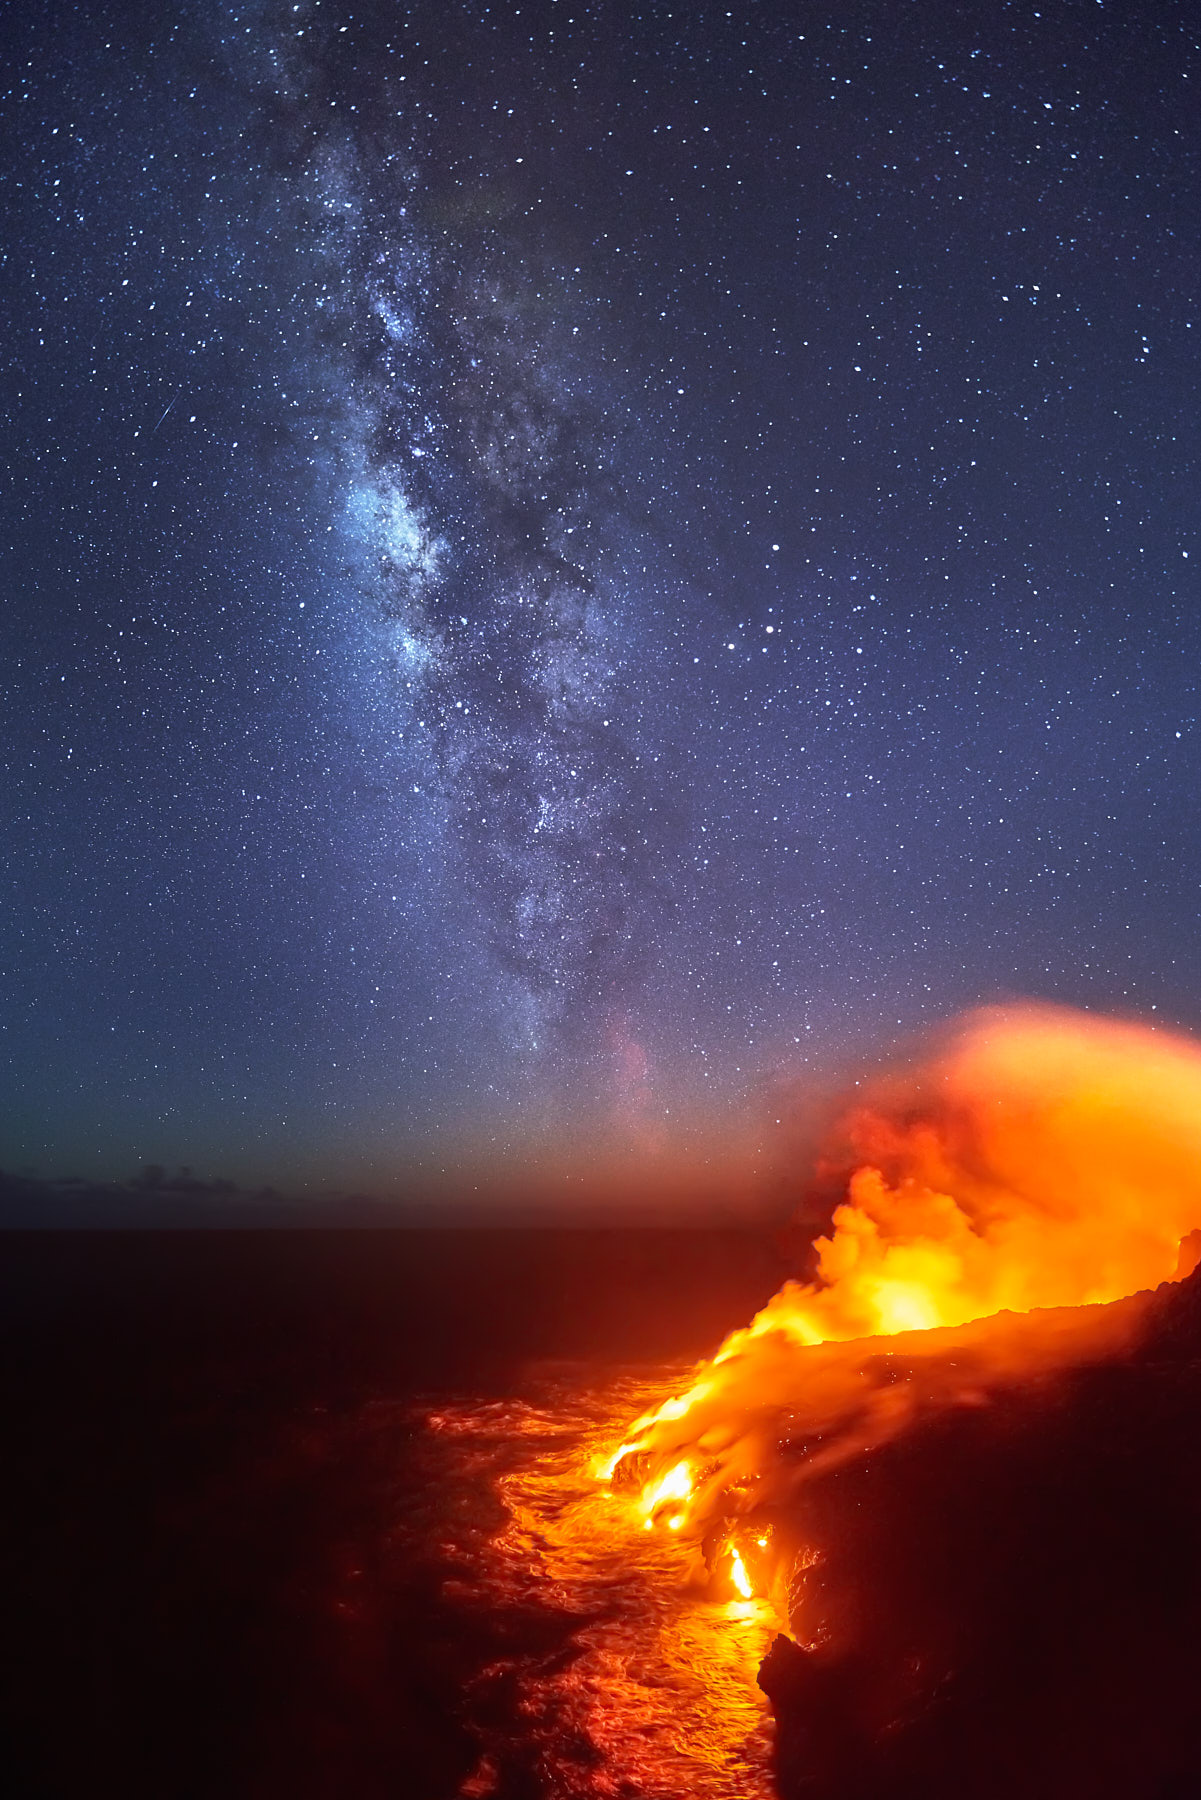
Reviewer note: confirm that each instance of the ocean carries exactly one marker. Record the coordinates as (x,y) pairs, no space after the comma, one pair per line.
(313,1513)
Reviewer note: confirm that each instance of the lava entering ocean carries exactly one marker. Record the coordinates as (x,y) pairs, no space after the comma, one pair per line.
(1037,1166)
(959,1465)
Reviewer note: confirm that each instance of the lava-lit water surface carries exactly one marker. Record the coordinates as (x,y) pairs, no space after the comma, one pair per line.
(620,1676)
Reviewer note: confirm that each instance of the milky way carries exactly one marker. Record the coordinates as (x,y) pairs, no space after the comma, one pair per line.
(486,517)
(576,566)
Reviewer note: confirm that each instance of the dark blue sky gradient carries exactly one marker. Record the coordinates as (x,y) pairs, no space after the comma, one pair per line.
(572,569)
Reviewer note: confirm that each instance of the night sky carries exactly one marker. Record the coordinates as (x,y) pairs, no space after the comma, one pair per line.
(573,570)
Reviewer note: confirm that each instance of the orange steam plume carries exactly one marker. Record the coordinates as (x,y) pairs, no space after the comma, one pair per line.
(1036,1159)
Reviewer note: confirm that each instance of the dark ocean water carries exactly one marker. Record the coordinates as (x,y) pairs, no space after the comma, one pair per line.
(311,1514)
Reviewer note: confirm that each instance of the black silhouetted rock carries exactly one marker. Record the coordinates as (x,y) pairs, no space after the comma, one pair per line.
(1008,1600)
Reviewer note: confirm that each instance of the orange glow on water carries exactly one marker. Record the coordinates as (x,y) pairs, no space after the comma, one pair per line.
(661,1684)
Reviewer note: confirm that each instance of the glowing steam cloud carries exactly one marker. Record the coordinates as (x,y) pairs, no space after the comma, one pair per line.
(1037,1159)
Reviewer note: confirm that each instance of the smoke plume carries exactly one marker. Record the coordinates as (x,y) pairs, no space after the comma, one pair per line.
(1033,1166)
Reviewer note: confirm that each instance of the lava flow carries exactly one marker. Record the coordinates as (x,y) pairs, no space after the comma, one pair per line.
(1038,1166)
(1007,1205)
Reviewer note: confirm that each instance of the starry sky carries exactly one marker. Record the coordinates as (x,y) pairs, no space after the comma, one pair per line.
(575,570)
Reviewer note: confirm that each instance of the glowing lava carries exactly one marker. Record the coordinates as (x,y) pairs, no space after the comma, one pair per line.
(668,1496)
(1039,1160)
(739,1576)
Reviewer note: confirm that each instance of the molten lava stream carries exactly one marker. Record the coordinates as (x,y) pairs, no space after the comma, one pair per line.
(1037,1165)
(625,1669)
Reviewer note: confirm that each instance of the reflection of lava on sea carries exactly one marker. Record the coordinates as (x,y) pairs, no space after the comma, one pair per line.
(622,1667)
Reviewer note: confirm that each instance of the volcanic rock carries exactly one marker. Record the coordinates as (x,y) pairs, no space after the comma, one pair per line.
(1007,1599)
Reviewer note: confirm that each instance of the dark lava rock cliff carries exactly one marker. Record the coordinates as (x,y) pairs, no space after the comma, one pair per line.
(1007,1601)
